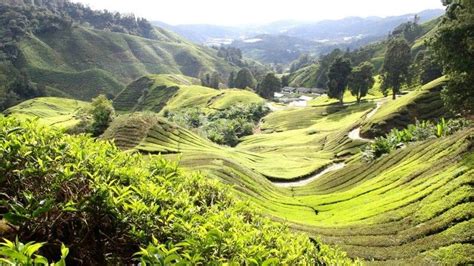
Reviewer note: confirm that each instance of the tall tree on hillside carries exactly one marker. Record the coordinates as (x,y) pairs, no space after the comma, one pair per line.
(269,86)
(215,80)
(338,78)
(285,81)
(453,45)
(361,80)
(231,80)
(325,63)
(244,79)
(426,67)
(206,80)
(395,71)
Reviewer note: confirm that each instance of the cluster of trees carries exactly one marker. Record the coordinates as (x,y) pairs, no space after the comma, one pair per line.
(224,127)
(212,80)
(453,48)
(269,85)
(18,21)
(410,30)
(60,12)
(231,54)
(341,76)
(265,88)
(303,61)
(242,79)
(395,73)
(20,88)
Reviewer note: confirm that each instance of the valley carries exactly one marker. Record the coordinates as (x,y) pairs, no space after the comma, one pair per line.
(125,143)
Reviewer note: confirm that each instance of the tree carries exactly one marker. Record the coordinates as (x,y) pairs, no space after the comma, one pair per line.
(244,79)
(361,80)
(325,63)
(230,82)
(269,86)
(395,70)
(206,80)
(454,50)
(102,113)
(426,67)
(338,78)
(285,81)
(215,80)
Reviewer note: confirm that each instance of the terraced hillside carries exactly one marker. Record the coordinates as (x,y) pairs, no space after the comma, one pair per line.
(423,103)
(411,206)
(51,111)
(172,92)
(84,62)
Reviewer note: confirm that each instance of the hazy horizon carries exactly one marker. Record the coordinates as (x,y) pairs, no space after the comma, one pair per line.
(214,12)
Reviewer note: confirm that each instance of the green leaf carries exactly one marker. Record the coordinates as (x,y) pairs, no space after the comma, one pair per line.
(272,261)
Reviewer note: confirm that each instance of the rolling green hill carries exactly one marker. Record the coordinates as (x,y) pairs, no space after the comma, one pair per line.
(83,62)
(50,111)
(173,92)
(83,56)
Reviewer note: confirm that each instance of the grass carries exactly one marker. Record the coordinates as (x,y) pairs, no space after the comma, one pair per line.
(58,112)
(83,62)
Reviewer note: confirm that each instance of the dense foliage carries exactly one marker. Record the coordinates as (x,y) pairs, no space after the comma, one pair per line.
(269,86)
(396,66)
(361,80)
(244,79)
(454,49)
(420,131)
(211,80)
(53,15)
(338,78)
(223,127)
(104,204)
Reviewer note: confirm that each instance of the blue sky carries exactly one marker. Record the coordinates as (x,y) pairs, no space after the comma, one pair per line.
(235,12)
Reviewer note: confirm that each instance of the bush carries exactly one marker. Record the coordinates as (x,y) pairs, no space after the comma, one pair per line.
(105,204)
(419,132)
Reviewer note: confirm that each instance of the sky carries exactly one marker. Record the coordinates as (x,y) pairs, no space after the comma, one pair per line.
(239,12)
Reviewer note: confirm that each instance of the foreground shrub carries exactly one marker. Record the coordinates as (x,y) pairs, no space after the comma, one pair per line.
(111,207)
(419,132)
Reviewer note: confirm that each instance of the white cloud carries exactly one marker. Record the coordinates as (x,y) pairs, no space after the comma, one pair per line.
(224,12)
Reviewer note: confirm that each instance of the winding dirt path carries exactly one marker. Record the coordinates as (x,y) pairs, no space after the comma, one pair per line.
(306,181)
(355,133)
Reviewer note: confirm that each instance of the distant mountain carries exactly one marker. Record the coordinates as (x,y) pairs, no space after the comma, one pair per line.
(326,30)
(356,27)
(284,41)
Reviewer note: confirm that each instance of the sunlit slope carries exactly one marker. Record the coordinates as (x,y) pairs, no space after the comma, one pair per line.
(411,205)
(58,112)
(424,103)
(174,92)
(85,62)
